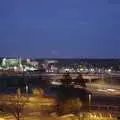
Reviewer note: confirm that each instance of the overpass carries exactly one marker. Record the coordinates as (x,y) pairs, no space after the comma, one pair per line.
(55,76)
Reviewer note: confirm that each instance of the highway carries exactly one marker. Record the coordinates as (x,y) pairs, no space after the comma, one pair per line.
(101,88)
(97,88)
(104,89)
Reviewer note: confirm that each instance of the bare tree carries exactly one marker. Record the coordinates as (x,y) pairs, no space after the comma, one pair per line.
(14,104)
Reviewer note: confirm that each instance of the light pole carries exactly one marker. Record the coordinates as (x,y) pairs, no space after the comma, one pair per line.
(89,100)
(26,88)
(26,82)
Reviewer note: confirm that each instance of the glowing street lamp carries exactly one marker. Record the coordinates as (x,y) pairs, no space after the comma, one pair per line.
(89,100)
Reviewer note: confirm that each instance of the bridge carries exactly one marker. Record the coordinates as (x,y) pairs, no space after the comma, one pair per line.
(56,76)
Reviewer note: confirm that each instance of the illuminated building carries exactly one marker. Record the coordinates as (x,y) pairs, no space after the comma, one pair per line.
(11,62)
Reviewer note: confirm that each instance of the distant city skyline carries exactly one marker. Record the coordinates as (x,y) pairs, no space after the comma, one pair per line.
(60,29)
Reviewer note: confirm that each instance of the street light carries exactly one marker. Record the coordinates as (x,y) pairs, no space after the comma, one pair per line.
(26,88)
(26,82)
(89,100)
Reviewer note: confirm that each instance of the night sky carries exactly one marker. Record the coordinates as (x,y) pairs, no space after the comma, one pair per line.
(60,28)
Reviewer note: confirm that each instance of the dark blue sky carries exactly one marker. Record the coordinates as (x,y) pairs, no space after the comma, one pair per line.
(60,28)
